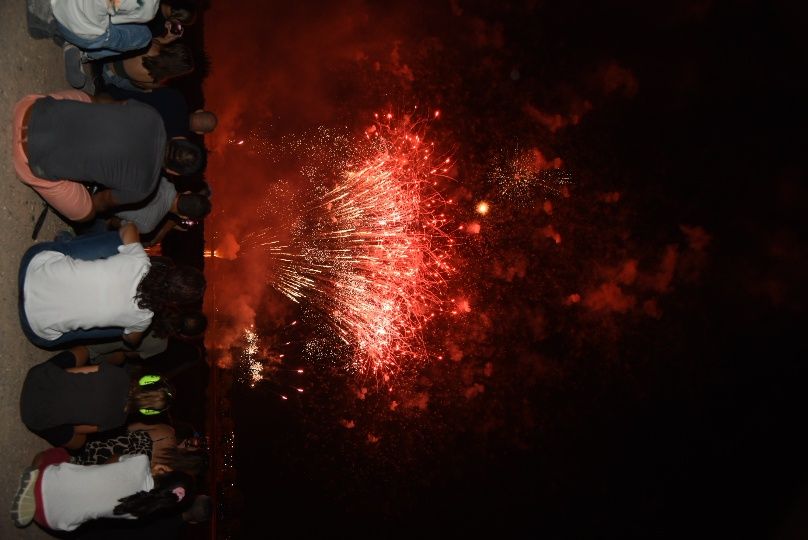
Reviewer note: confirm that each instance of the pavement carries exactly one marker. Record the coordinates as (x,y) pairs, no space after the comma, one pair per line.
(30,66)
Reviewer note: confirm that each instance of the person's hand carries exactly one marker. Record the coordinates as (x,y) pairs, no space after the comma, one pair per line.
(169,36)
(129,233)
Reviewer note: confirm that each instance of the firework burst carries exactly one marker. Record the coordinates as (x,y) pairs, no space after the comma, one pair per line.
(253,366)
(369,249)
(520,176)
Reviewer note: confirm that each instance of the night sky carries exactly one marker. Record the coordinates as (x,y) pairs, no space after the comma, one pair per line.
(629,359)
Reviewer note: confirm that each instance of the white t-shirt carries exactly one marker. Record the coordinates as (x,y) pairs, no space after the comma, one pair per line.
(73,494)
(90,18)
(63,294)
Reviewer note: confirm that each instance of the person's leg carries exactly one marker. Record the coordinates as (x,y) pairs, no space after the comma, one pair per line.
(89,247)
(118,38)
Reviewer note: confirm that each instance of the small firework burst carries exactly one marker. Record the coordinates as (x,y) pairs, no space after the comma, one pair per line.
(253,366)
(521,176)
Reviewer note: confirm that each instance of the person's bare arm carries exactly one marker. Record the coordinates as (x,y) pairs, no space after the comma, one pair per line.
(113,223)
(80,436)
(147,86)
(82,369)
(133,339)
(103,97)
(116,358)
(103,201)
(129,234)
(81,353)
(113,459)
(136,426)
(90,215)
(164,230)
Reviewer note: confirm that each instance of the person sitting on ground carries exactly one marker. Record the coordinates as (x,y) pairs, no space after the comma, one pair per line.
(149,70)
(181,219)
(60,496)
(184,325)
(65,299)
(62,140)
(165,437)
(172,106)
(165,201)
(105,449)
(162,435)
(63,399)
(95,29)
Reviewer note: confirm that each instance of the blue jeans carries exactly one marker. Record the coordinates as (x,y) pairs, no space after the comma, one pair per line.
(117,38)
(112,78)
(87,247)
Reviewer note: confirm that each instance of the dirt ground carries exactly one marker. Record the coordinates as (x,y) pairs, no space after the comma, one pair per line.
(31,66)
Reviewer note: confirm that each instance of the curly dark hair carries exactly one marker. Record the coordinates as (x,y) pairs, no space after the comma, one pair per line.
(174,60)
(161,498)
(167,287)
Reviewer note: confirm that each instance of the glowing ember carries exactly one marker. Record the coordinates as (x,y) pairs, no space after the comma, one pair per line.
(370,251)
(482,208)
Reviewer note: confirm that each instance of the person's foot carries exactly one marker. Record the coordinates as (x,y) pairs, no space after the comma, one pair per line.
(92,83)
(23,507)
(74,71)
(40,19)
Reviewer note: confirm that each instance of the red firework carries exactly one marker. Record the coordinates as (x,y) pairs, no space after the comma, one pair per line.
(371,251)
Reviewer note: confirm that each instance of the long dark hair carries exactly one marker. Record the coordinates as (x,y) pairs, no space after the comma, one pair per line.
(169,287)
(192,462)
(173,60)
(161,498)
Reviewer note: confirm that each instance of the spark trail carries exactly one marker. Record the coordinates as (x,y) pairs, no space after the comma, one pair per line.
(370,250)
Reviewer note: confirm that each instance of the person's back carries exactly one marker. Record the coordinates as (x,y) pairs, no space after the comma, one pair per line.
(120,146)
(169,102)
(53,399)
(62,294)
(148,214)
(73,494)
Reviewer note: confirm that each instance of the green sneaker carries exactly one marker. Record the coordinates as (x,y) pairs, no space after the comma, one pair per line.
(23,507)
